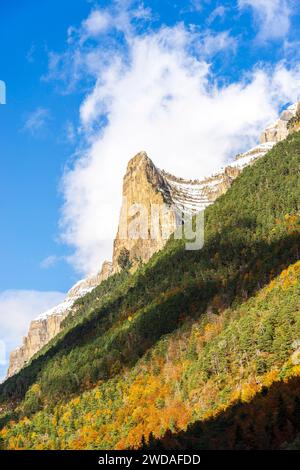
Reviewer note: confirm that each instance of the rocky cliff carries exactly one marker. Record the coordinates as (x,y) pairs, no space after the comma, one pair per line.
(47,325)
(281,127)
(153,204)
(144,226)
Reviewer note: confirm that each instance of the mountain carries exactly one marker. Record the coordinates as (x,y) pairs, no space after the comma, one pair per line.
(147,187)
(189,349)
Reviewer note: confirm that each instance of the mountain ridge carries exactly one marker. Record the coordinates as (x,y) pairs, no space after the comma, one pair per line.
(147,185)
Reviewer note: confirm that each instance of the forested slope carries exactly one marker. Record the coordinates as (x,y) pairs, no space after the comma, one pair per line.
(184,338)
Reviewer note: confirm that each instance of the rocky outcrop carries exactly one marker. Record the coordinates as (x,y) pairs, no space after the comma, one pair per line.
(154,203)
(294,123)
(279,130)
(86,285)
(144,226)
(48,324)
(41,331)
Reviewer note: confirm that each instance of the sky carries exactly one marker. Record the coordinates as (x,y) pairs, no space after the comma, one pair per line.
(88,85)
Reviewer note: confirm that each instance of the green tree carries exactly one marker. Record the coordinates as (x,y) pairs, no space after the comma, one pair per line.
(124,259)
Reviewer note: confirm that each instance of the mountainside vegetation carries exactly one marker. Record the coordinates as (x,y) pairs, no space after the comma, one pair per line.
(191,344)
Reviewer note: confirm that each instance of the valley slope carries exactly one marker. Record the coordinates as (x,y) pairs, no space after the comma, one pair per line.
(183,340)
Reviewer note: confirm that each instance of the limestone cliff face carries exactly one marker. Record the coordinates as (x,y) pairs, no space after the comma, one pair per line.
(40,332)
(141,229)
(48,324)
(293,124)
(154,203)
(279,130)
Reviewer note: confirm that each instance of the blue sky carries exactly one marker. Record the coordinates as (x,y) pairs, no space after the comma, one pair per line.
(91,83)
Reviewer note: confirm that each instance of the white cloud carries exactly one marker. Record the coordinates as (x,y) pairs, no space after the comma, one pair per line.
(30,54)
(36,121)
(272,16)
(50,261)
(119,16)
(70,131)
(193,6)
(17,309)
(211,44)
(97,22)
(218,12)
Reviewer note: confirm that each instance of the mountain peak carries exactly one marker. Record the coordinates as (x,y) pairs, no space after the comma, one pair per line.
(141,158)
